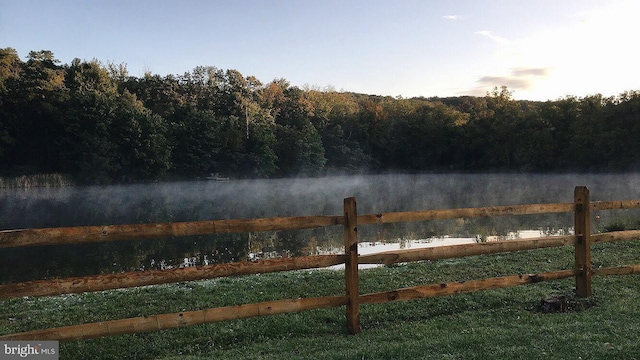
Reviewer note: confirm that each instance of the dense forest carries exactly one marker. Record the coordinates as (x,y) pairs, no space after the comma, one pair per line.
(98,124)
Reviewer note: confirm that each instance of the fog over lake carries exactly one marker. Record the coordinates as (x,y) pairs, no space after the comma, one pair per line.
(207,200)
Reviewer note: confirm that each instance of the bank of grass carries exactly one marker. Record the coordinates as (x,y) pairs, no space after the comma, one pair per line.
(496,324)
(36,180)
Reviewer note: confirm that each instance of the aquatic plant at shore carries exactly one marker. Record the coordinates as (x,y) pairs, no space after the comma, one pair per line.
(36,180)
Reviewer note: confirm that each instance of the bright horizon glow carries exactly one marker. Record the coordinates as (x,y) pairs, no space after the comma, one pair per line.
(589,54)
(540,50)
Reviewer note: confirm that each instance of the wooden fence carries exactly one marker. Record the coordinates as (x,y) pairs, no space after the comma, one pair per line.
(351,299)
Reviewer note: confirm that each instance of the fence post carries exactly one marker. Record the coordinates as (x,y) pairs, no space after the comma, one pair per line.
(351,264)
(582,227)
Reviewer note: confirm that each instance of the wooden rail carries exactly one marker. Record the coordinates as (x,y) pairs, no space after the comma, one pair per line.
(352,299)
(443,214)
(458,251)
(90,234)
(419,292)
(155,277)
(181,319)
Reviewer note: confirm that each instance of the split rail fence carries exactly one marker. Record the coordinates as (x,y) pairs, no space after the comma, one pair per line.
(351,299)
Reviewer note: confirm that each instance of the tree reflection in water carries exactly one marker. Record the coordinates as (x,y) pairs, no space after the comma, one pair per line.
(205,200)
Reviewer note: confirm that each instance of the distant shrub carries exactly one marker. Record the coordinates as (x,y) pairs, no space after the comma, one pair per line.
(622,224)
(617,225)
(481,238)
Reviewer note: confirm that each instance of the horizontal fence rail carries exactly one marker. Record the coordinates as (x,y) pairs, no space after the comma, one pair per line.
(615,205)
(458,251)
(181,319)
(156,277)
(420,292)
(616,236)
(352,299)
(444,214)
(89,234)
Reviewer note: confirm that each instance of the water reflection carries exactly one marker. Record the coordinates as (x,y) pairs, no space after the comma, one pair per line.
(206,200)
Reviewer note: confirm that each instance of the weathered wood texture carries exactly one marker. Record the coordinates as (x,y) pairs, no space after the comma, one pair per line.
(154,277)
(352,279)
(419,292)
(458,251)
(442,214)
(89,234)
(582,228)
(614,205)
(620,270)
(169,321)
(616,236)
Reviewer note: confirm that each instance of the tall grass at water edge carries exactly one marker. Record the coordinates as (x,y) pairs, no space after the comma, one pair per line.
(37,180)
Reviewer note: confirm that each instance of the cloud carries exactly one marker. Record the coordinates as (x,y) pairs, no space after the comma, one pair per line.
(511,82)
(561,58)
(517,79)
(452,17)
(544,72)
(492,36)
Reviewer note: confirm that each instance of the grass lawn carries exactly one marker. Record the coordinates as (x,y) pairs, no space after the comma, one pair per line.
(495,324)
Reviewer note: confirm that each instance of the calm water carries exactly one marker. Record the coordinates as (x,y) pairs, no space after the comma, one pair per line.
(205,200)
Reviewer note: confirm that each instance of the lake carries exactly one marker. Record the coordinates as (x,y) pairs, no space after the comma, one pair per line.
(208,199)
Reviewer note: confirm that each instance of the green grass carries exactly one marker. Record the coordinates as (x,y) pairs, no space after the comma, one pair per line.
(496,324)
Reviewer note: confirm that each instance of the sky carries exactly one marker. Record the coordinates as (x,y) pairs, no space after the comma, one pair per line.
(540,49)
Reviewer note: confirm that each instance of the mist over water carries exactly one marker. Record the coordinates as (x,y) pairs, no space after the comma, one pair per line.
(207,200)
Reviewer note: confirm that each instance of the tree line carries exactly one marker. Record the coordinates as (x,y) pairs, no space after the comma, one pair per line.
(98,124)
